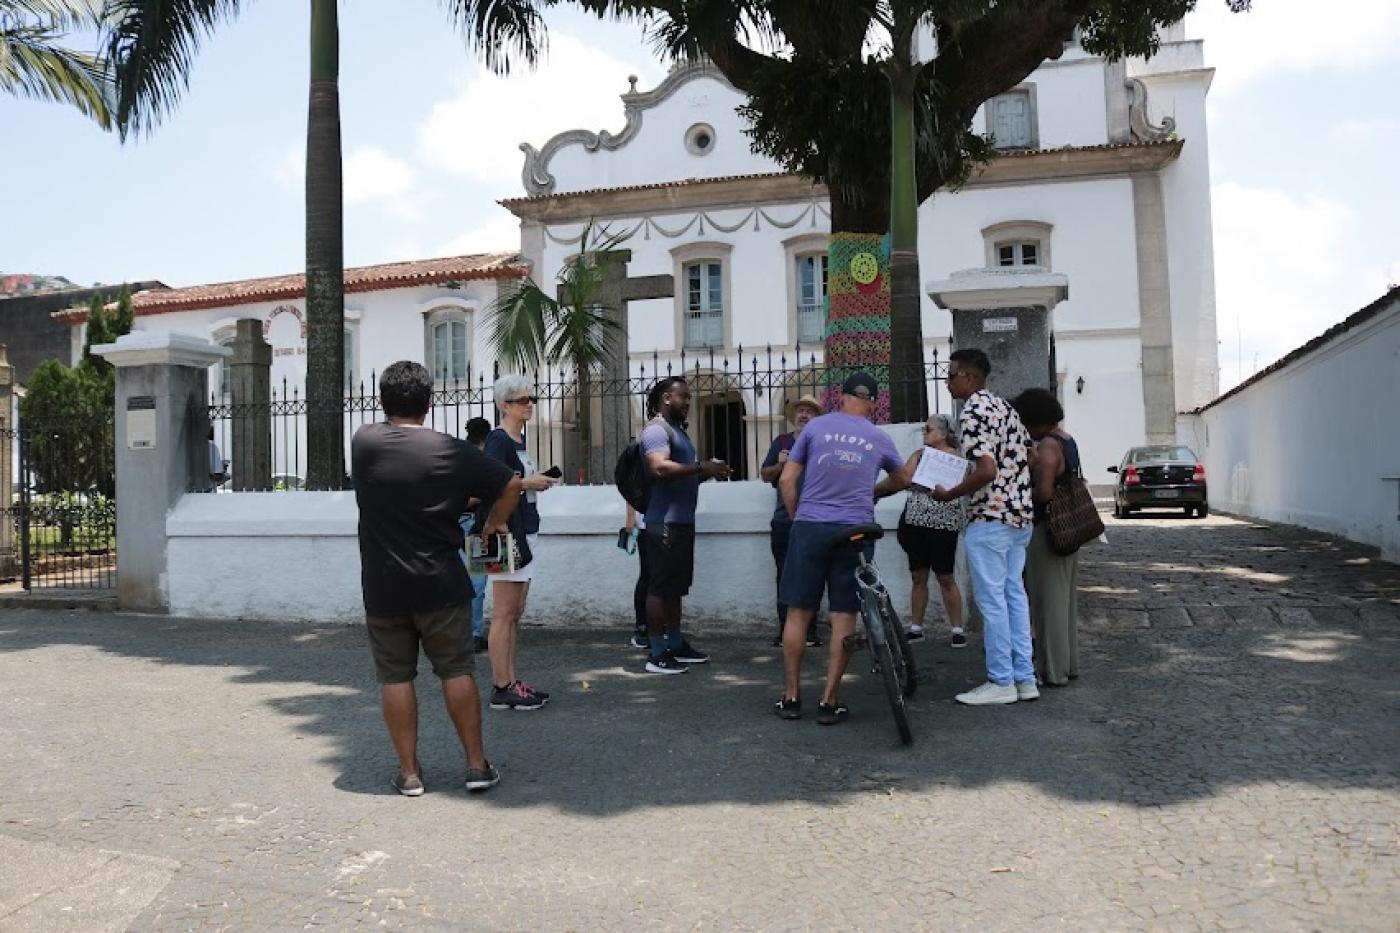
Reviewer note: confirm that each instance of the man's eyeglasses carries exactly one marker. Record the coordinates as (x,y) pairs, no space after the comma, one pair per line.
(863,396)
(523,400)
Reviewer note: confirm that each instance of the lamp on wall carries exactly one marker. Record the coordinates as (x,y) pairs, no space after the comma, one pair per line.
(1079,386)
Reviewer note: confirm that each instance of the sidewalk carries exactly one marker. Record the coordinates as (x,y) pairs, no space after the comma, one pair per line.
(1229,758)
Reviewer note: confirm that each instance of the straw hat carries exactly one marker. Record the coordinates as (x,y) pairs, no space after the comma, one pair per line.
(791,410)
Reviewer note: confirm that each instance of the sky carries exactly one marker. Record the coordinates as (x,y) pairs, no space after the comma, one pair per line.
(1303,131)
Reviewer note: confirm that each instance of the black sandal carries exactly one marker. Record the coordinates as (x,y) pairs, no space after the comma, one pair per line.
(829,714)
(788,708)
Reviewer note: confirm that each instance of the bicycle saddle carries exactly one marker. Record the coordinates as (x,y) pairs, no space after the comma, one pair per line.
(859,535)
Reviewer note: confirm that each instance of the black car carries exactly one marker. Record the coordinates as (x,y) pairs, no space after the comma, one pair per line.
(1161,477)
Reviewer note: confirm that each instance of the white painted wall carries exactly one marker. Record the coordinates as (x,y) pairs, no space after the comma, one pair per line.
(1070,105)
(658,153)
(1308,445)
(387,326)
(295,556)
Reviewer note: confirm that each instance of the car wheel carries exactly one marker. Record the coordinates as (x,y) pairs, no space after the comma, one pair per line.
(1189,511)
(1202,510)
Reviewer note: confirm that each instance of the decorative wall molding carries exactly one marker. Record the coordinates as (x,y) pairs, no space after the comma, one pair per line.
(1140,121)
(700,223)
(536,176)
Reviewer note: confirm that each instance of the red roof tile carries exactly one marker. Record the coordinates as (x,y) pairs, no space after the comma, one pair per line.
(360,279)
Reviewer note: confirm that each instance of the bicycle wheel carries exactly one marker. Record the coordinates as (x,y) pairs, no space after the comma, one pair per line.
(895,635)
(889,669)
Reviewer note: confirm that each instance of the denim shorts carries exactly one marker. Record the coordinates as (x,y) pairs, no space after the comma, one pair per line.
(812,568)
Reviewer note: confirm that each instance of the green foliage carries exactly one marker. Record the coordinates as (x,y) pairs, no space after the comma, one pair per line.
(66,419)
(527,326)
(34,63)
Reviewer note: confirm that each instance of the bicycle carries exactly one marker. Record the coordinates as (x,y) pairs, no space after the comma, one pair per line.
(893,658)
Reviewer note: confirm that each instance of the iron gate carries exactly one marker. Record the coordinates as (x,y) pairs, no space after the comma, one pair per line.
(58,487)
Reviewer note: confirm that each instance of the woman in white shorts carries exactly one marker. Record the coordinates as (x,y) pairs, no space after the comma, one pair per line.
(516,400)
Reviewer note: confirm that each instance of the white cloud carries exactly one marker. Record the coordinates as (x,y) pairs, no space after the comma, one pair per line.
(478,131)
(371,174)
(1294,36)
(290,170)
(1287,268)
(498,233)
(368,175)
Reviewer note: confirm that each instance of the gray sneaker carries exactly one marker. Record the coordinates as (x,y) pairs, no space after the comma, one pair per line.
(1027,691)
(482,779)
(408,786)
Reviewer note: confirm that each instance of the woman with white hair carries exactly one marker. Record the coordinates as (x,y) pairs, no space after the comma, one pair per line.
(515,397)
(928,532)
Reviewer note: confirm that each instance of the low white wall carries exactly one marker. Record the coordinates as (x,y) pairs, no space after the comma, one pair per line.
(294,556)
(1310,443)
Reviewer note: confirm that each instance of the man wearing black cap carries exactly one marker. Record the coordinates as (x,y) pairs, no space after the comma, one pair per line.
(837,458)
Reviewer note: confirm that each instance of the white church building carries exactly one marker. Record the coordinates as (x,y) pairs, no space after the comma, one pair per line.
(1099,205)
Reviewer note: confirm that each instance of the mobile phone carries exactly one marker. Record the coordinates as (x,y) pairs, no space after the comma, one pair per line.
(554,472)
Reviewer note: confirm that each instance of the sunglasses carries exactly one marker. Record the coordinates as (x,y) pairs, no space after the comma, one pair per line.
(523,400)
(863,396)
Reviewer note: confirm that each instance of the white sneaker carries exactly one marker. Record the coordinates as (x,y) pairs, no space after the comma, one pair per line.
(1027,691)
(989,694)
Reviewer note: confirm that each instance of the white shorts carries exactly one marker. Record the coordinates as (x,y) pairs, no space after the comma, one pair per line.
(524,574)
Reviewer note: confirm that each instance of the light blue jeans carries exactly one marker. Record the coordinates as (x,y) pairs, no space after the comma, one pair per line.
(466,522)
(478,604)
(996,558)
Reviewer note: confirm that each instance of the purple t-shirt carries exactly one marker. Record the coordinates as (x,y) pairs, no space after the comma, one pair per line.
(841,457)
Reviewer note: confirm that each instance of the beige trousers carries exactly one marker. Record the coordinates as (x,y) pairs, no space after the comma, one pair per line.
(1052,586)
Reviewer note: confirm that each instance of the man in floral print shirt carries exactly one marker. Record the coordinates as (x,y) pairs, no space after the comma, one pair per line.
(999,502)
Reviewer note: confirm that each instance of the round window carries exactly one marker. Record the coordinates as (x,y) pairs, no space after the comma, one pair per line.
(700,139)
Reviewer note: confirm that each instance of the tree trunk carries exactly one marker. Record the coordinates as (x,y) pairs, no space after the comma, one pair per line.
(325,261)
(908,391)
(583,412)
(858,298)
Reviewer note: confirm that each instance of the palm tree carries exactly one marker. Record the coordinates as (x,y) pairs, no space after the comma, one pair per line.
(835,94)
(152,44)
(529,327)
(33,64)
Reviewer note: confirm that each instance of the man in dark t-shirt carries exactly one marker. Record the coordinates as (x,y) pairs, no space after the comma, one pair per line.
(411,485)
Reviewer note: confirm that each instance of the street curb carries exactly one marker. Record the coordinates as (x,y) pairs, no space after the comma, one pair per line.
(56,601)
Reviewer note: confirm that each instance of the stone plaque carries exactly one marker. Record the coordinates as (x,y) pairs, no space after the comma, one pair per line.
(141,422)
(998,325)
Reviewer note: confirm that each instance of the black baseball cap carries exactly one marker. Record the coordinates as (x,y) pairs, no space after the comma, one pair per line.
(860,381)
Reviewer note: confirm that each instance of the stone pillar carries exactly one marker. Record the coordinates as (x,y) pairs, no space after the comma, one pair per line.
(1007,314)
(610,423)
(9,445)
(250,385)
(162,431)
(1155,310)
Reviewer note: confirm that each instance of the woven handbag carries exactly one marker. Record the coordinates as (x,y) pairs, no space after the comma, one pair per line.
(1072,518)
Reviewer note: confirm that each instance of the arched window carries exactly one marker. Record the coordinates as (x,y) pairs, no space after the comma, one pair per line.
(807,262)
(1017,243)
(448,333)
(703,294)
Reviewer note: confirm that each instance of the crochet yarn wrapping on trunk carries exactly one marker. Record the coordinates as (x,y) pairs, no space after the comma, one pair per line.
(858,315)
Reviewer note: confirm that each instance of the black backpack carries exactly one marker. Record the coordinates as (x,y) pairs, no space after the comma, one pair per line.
(630,473)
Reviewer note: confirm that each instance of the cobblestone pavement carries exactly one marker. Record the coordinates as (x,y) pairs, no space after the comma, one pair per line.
(1228,759)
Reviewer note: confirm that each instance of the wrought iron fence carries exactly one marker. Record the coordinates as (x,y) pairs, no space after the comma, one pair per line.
(58,486)
(739,406)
